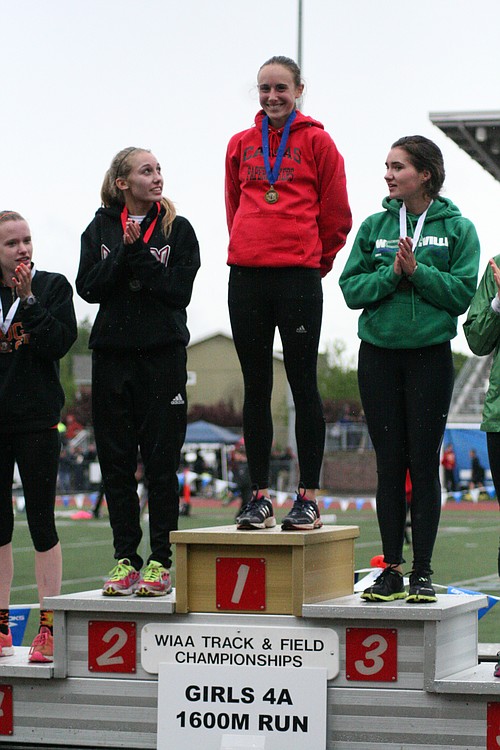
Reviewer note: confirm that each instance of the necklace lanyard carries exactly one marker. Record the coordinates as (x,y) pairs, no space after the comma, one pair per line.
(7,320)
(403,229)
(149,230)
(272,174)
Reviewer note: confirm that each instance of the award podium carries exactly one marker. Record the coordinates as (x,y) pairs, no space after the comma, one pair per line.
(254,608)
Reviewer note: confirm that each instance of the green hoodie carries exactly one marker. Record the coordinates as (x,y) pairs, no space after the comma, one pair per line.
(403,314)
(482,329)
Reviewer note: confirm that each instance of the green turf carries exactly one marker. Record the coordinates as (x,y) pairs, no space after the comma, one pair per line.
(465,553)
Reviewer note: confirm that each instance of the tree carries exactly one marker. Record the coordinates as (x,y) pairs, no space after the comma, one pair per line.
(459,360)
(81,346)
(338,382)
(222,413)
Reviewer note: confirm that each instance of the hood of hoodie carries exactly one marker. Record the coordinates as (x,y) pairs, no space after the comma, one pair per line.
(116,211)
(441,208)
(301,121)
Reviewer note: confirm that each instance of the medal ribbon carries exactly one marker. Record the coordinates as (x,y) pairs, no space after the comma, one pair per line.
(150,229)
(272,174)
(5,322)
(403,230)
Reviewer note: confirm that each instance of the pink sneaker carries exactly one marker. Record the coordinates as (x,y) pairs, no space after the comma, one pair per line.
(6,648)
(42,648)
(155,581)
(122,580)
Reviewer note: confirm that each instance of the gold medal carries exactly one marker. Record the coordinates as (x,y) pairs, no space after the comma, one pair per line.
(272,195)
(5,346)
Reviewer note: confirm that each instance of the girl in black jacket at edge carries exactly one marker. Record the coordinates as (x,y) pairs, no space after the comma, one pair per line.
(138,262)
(37,328)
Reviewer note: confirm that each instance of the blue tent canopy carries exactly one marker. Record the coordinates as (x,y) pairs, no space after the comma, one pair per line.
(206,432)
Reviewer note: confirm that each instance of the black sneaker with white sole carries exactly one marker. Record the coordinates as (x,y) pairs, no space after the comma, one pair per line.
(257,514)
(304,515)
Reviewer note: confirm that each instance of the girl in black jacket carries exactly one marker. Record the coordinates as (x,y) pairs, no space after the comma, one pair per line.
(37,328)
(138,262)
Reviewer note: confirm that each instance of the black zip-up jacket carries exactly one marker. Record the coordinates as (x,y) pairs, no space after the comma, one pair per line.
(31,396)
(142,289)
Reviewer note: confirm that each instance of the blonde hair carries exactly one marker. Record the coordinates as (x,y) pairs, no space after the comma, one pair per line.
(111,195)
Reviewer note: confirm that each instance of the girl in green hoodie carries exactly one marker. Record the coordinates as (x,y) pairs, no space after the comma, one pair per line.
(412,270)
(482,330)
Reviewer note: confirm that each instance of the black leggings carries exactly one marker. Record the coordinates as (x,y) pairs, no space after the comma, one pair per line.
(493,443)
(37,457)
(261,299)
(406,395)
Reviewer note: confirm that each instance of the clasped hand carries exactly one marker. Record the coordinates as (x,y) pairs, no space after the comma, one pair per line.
(496,274)
(404,261)
(22,281)
(132,232)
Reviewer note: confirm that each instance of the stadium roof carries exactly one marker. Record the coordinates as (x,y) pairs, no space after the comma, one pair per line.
(477,133)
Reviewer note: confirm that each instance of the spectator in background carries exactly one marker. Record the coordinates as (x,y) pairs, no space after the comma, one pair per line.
(73,427)
(65,473)
(476,469)
(449,462)
(199,468)
(79,466)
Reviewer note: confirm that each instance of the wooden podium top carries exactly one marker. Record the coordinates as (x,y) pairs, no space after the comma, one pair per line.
(272,537)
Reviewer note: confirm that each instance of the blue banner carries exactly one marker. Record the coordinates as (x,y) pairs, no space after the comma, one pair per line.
(18,619)
(492,600)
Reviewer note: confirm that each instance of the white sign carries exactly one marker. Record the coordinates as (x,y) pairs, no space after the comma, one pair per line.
(240,646)
(219,709)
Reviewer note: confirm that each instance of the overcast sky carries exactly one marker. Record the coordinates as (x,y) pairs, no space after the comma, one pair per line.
(82,79)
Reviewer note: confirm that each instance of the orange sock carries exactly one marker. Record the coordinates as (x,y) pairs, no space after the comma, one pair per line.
(47,619)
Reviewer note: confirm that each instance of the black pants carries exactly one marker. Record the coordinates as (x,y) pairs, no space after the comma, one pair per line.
(37,457)
(493,443)
(139,402)
(261,299)
(406,395)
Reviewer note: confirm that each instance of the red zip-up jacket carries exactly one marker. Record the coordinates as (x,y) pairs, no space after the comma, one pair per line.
(309,223)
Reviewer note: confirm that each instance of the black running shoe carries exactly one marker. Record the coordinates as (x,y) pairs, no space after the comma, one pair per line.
(257,514)
(421,590)
(303,516)
(386,588)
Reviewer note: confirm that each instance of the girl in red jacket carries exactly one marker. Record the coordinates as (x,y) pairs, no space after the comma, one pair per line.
(288,216)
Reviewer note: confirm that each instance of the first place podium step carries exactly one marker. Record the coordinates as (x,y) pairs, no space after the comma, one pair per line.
(221,569)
